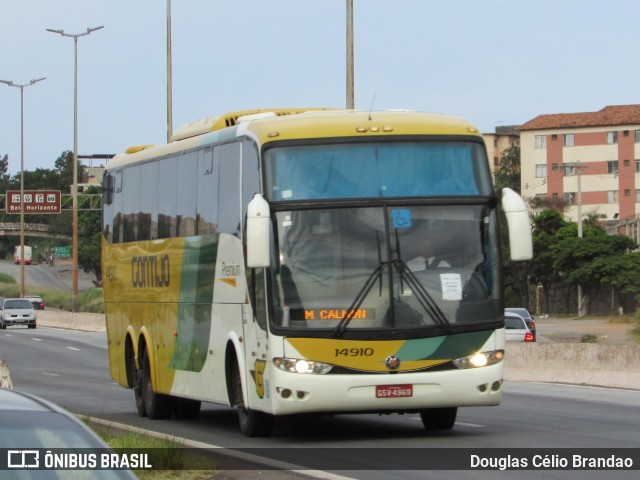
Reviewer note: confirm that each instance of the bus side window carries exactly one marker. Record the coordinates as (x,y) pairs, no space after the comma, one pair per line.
(228,189)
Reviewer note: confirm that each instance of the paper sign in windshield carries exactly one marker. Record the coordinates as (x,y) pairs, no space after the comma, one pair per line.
(451,284)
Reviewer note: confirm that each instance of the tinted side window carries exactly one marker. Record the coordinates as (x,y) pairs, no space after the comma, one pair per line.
(208,173)
(229,189)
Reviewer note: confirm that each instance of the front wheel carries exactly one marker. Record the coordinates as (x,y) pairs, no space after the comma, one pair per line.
(439,418)
(252,422)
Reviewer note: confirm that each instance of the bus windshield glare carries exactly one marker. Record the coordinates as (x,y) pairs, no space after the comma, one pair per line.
(376,169)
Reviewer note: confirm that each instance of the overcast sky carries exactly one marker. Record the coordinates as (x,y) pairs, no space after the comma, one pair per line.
(494,62)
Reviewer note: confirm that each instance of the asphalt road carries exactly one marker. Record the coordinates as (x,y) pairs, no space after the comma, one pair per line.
(58,276)
(70,368)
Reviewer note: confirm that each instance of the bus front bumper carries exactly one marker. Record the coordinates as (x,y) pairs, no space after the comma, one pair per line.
(403,392)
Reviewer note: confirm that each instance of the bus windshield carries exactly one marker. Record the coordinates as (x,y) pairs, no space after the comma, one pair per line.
(421,268)
(376,169)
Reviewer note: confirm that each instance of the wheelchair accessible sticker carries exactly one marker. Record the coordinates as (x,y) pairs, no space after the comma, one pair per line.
(401,218)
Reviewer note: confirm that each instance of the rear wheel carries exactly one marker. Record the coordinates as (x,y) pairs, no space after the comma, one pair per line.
(439,418)
(157,405)
(137,380)
(252,422)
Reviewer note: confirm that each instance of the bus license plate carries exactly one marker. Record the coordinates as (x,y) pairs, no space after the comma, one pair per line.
(394,391)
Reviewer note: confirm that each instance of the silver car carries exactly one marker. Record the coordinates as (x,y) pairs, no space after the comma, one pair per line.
(17,311)
(516,329)
(32,426)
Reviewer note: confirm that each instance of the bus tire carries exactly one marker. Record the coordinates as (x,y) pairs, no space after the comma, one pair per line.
(252,422)
(138,387)
(157,405)
(187,409)
(439,418)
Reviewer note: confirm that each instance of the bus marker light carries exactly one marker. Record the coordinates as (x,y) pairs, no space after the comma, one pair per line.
(361,129)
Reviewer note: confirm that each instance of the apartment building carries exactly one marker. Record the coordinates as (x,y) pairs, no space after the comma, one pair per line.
(595,153)
(504,137)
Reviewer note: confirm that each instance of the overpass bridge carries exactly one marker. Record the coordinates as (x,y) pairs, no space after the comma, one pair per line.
(30,230)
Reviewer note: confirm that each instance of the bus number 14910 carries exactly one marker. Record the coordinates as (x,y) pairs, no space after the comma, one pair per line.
(354,352)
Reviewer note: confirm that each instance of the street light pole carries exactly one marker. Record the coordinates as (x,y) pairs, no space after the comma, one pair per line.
(350,88)
(169,76)
(579,230)
(74,189)
(21,87)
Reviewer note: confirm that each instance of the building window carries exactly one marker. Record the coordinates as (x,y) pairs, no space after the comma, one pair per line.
(568,140)
(627,193)
(569,198)
(612,137)
(541,141)
(627,163)
(637,166)
(569,169)
(612,196)
(637,136)
(541,170)
(554,196)
(612,166)
(637,196)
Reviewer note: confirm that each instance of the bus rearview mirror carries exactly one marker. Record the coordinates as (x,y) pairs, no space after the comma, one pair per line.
(520,240)
(258,232)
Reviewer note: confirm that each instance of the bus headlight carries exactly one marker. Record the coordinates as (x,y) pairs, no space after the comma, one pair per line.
(298,365)
(480,359)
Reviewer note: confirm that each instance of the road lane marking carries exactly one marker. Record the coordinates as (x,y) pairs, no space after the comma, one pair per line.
(73,348)
(37,339)
(50,374)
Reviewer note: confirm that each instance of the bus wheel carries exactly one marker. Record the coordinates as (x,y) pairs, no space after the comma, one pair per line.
(187,409)
(439,418)
(157,406)
(138,387)
(252,422)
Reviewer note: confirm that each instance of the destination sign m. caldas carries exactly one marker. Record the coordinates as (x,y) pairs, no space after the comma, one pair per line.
(34,201)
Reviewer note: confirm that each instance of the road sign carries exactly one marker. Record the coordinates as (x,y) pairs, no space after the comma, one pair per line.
(34,201)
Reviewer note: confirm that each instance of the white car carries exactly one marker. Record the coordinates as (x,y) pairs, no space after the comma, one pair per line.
(17,311)
(516,329)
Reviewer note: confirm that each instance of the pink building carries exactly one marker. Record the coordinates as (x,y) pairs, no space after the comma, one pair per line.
(594,153)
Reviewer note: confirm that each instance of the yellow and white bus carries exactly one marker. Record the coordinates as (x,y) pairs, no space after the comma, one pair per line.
(294,261)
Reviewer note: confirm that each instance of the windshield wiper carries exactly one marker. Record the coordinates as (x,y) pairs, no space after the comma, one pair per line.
(425,300)
(362,294)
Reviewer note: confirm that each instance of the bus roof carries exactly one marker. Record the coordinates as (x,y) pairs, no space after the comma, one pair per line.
(299,123)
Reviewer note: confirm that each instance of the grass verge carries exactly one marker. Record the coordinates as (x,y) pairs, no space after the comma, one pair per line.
(175,455)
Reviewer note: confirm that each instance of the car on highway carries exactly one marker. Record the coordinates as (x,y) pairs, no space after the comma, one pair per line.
(36,301)
(17,311)
(30,423)
(524,313)
(516,329)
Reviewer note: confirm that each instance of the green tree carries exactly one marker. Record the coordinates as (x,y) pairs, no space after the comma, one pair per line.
(89,239)
(508,173)
(545,226)
(595,260)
